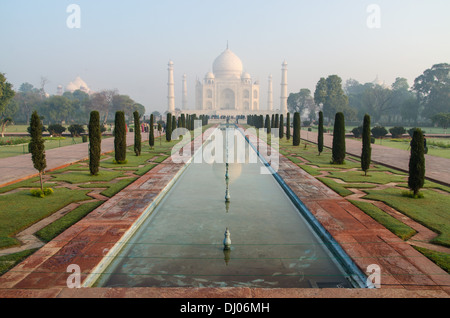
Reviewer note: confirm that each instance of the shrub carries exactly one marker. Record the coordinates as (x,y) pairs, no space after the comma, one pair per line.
(137,134)
(338,150)
(357,132)
(379,132)
(281,127)
(416,163)
(37,147)
(296,135)
(268,125)
(41,193)
(84,138)
(120,137)
(320,134)
(95,139)
(151,138)
(397,132)
(56,129)
(169,127)
(76,130)
(366,142)
(288,126)
(411,131)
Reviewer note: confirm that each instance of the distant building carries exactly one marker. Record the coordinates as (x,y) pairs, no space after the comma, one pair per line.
(227,90)
(78,84)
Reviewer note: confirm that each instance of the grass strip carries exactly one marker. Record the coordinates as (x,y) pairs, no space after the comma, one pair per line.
(336,187)
(54,229)
(9,261)
(431,210)
(397,227)
(439,258)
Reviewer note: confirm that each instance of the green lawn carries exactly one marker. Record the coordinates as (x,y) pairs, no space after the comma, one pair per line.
(432,211)
(24,210)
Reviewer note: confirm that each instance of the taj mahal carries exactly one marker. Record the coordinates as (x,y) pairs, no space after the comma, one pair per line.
(227,91)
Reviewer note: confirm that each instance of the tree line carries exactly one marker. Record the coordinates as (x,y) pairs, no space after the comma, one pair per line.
(70,107)
(426,101)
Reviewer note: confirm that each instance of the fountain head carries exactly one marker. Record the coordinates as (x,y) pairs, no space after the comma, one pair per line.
(227,240)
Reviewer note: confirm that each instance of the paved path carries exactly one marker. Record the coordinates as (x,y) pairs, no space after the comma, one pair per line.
(437,169)
(21,167)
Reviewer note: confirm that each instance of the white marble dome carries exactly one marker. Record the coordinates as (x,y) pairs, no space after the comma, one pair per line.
(227,65)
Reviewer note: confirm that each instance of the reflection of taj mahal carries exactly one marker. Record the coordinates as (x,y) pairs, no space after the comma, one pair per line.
(228,90)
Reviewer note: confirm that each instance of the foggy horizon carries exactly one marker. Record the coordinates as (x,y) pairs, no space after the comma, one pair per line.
(127,45)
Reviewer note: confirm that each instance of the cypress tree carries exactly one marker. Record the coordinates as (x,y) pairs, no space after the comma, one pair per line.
(320,134)
(338,151)
(296,135)
(281,127)
(137,134)
(95,140)
(37,147)
(174,123)
(183,120)
(277,120)
(417,163)
(288,126)
(366,145)
(151,137)
(273,121)
(261,121)
(159,131)
(267,124)
(169,127)
(120,138)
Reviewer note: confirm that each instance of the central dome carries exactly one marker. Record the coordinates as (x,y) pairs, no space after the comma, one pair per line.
(228,65)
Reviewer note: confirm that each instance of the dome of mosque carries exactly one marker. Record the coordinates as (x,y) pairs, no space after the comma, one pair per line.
(227,65)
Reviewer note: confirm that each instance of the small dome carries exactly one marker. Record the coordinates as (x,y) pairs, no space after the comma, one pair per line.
(209,75)
(227,65)
(246,75)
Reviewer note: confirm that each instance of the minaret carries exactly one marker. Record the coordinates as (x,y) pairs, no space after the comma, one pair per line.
(184,100)
(284,89)
(171,85)
(270,97)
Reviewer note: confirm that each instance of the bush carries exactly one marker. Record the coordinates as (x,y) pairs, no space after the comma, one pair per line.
(76,130)
(338,150)
(95,139)
(379,132)
(366,153)
(56,129)
(397,132)
(296,135)
(41,193)
(320,134)
(120,137)
(357,132)
(411,131)
(84,138)
(137,134)
(417,163)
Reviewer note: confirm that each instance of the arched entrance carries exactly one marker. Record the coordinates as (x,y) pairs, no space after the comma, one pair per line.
(227,99)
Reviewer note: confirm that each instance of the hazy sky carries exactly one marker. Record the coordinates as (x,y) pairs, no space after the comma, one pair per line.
(127,44)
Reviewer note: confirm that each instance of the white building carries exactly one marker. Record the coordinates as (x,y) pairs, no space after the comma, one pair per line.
(227,90)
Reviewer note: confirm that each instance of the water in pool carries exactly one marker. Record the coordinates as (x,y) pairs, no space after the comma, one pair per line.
(182,243)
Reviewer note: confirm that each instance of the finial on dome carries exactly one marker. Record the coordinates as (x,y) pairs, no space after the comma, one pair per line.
(227,44)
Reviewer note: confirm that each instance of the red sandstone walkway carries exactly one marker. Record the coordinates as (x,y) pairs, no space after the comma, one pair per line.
(21,167)
(437,169)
